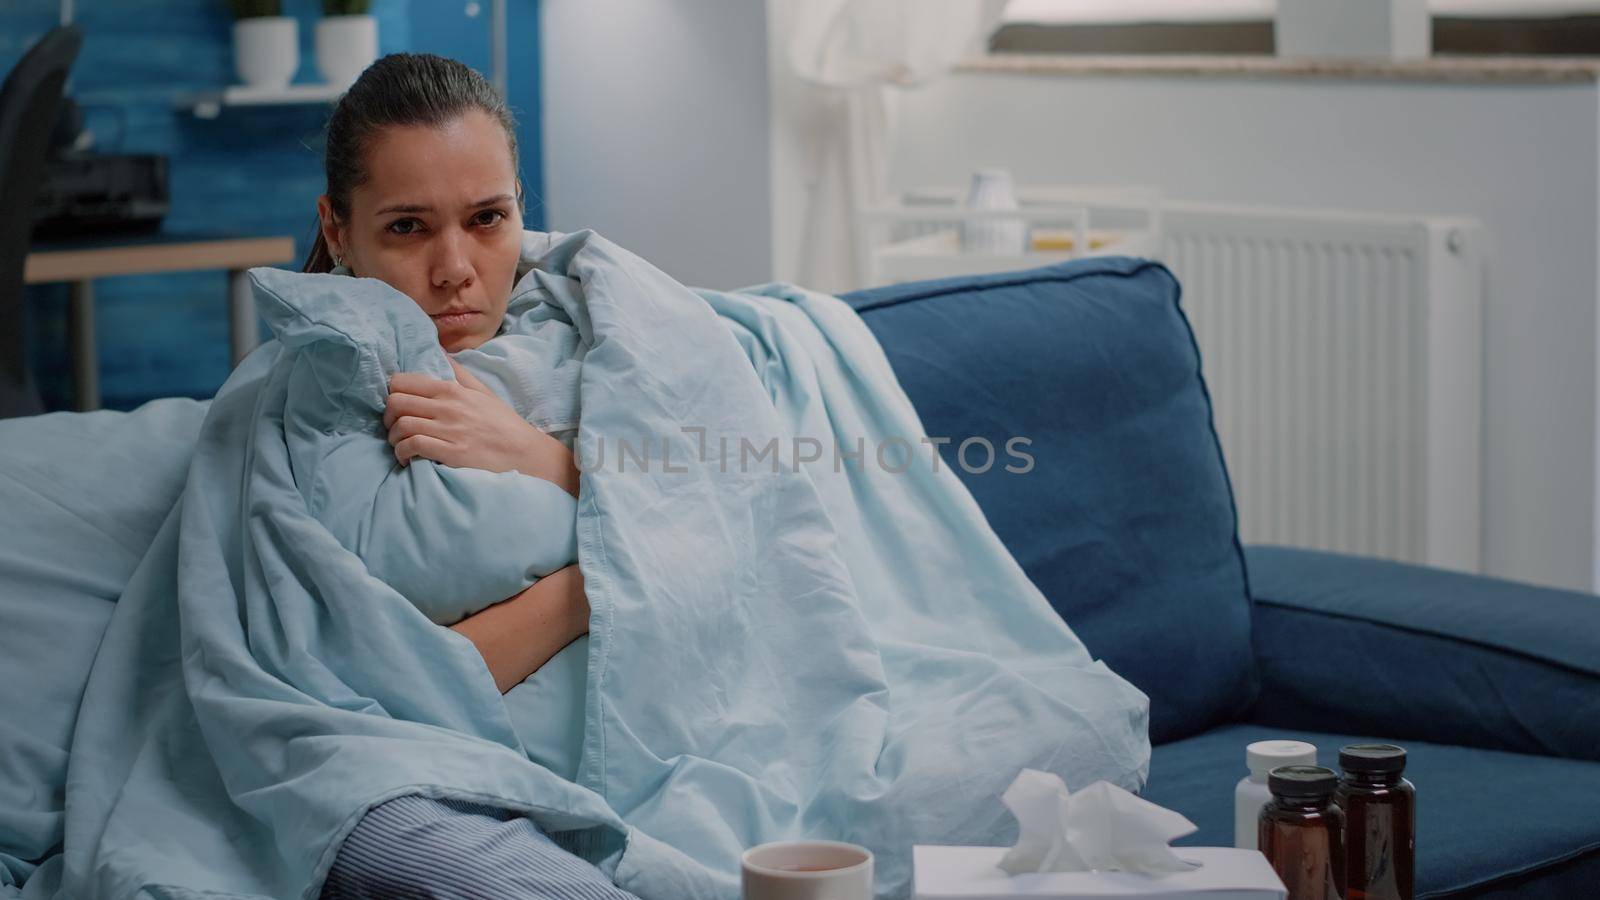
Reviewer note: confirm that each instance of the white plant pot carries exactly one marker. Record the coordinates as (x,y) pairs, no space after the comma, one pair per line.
(346,45)
(266,51)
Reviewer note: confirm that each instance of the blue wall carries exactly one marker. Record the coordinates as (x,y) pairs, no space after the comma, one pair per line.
(249,171)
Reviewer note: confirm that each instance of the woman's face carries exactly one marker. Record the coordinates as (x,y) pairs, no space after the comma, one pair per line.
(437,219)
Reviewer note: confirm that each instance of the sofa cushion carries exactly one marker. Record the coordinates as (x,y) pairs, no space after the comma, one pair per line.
(1410,651)
(487,535)
(1126,520)
(1489,823)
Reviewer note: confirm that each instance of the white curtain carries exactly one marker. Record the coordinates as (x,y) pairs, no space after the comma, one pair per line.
(855,54)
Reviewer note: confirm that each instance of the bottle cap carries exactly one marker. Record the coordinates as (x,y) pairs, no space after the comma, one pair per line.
(1302,782)
(1385,759)
(1264,756)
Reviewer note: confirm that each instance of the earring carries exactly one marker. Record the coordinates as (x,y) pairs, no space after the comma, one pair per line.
(338,260)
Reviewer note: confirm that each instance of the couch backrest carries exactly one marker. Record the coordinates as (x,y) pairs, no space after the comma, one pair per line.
(1126,521)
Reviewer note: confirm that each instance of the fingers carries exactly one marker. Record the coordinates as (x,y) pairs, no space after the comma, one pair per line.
(397,405)
(409,426)
(410,437)
(468,379)
(425,446)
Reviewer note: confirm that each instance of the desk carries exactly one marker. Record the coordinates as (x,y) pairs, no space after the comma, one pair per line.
(82,261)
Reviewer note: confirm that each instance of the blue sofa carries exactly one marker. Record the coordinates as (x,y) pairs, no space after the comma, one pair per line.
(1127,524)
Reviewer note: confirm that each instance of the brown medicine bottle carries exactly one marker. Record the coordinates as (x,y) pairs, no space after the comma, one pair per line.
(1380,809)
(1301,831)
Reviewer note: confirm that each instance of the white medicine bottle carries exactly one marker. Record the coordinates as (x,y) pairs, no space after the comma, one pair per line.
(1252,793)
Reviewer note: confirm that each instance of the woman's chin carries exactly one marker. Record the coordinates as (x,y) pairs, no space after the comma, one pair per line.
(454,339)
(456,345)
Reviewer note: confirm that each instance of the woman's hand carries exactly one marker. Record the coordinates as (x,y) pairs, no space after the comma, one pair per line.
(462,423)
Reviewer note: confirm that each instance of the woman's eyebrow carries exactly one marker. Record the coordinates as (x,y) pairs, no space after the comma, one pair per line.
(418,208)
(404,208)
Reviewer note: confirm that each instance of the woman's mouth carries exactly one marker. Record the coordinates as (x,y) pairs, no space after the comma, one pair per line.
(455,319)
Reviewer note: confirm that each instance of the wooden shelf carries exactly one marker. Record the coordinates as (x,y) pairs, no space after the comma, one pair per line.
(146,254)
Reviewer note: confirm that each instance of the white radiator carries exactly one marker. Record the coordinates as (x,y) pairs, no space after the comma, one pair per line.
(1343,353)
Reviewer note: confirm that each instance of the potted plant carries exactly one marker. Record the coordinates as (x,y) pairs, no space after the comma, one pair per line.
(347,40)
(266,43)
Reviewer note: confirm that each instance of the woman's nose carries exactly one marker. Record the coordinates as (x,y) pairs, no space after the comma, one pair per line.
(451,266)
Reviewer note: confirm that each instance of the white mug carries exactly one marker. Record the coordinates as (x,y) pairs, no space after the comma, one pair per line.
(807,870)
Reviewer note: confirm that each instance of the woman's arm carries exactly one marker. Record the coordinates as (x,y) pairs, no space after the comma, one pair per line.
(550,459)
(517,636)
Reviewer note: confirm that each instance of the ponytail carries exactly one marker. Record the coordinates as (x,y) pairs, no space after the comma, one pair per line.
(320,260)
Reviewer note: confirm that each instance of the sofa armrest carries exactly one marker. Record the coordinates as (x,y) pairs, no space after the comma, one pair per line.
(1366,646)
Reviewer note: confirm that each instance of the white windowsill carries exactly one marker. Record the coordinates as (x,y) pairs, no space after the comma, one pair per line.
(1459,69)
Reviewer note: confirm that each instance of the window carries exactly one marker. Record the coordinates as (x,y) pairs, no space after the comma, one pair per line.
(1460,27)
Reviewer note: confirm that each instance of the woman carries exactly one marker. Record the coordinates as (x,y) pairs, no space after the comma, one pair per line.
(423,194)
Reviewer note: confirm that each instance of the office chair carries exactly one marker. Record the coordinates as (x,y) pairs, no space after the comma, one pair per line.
(29,103)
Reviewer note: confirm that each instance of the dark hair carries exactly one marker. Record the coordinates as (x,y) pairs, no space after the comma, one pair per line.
(399,89)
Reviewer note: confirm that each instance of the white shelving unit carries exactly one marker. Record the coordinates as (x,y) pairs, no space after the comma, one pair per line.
(919,235)
(210,105)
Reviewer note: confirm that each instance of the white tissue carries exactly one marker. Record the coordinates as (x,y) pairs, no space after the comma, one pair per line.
(1100,828)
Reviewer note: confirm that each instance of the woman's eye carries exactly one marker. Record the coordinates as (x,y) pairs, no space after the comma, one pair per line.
(404,226)
(489,217)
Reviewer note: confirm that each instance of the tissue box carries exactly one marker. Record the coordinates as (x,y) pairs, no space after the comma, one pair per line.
(972,873)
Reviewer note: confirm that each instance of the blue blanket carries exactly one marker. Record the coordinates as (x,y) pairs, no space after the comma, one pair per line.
(818,636)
